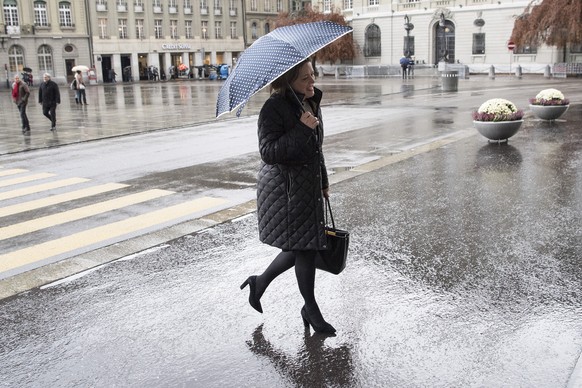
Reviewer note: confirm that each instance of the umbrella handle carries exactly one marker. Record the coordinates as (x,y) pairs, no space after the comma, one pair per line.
(296,98)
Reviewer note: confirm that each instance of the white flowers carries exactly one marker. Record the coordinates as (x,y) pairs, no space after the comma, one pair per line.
(498,106)
(550,94)
(498,109)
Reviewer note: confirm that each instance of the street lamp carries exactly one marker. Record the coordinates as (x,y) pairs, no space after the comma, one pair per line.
(408,27)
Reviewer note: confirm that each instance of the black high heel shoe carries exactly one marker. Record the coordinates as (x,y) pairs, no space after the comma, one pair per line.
(253,300)
(320,326)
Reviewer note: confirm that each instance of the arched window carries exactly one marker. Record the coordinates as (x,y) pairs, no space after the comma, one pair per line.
(65,17)
(16,58)
(45,59)
(267,28)
(254,31)
(40,14)
(372,46)
(10,13)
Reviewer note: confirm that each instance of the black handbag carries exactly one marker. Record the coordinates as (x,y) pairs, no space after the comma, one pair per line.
(333,259)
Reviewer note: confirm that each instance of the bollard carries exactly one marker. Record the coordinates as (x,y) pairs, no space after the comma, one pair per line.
(492,72)
(547,72)
(518,71)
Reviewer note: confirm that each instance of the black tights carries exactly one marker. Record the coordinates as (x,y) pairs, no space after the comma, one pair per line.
(304,262)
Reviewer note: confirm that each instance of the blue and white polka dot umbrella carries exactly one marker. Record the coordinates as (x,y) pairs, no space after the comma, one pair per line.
(271,56)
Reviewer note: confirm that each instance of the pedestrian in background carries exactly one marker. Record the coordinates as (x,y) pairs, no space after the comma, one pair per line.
(404,65)
(20,94)
(49,96)
(291,185)
(81,97)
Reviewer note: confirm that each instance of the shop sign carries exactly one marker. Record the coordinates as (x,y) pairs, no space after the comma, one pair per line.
(176,46)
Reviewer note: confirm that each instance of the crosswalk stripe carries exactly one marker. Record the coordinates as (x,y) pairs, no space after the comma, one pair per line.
(13,171)
(103,233)
(59,198)
(42,187)
(79,213)
(24,179)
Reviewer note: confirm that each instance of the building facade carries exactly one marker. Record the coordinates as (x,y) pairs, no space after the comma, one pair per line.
(45,36)
(130,37)
(475,33)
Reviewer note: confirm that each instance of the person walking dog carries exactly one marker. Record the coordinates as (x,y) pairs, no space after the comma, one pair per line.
(291,187)
(49,96)
(20,94)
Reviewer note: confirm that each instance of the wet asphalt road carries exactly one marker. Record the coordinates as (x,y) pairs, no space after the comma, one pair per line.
(463,271)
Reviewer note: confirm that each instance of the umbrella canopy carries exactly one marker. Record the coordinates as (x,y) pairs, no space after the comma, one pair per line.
(182,67)
(270,57)
(80,67)
(27,69)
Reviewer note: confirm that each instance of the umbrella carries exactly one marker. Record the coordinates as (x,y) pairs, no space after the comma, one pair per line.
(270,57)
(182,67)
(27,69)
(80,67)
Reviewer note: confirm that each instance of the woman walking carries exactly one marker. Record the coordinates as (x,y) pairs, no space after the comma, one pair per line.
(292,184)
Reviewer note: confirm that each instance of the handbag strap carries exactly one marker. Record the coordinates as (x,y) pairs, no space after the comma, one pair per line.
(328,209)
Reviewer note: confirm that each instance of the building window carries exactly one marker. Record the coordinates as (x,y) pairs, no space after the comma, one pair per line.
(65,17)
(174,29)
(16,59)
(326,5)
(122,27)
(372,46)
(188,29)
(10,13)
(45,59)
(348,4)
(279,5)
(139,31)
(254,31)
(173,3)
(408,46)
(267,28)
(204,5)
(267,5)
(526,50)
(40,14)
(102,25)
(204,29)
(373,3)
(187,4)
(233,33)
(253,5)
(478,43)
(576,48)
(218,30)
(158,29)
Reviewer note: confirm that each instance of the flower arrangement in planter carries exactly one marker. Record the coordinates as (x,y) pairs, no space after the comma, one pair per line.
(498,119)
(549,104)
(549,97)
(498,109)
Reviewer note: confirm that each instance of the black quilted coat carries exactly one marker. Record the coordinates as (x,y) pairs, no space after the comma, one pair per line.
(292,174)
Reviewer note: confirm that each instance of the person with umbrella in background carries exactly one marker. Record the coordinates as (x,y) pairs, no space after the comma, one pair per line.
(49,96)
(292,184)
(81,95)
(20,94)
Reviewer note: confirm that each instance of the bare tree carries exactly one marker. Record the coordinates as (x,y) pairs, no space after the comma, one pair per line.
(341,50)
(551,22)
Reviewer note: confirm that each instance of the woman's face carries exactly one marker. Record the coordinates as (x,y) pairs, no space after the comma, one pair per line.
(305,81)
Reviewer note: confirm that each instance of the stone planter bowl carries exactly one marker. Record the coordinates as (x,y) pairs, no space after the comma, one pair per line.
(549,112)
(498,130)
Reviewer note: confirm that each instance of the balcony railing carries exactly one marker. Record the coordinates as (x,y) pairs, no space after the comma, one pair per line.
(172,9)
(101,7)
(232,11)
(158,9)
(218,11)
(203,11)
